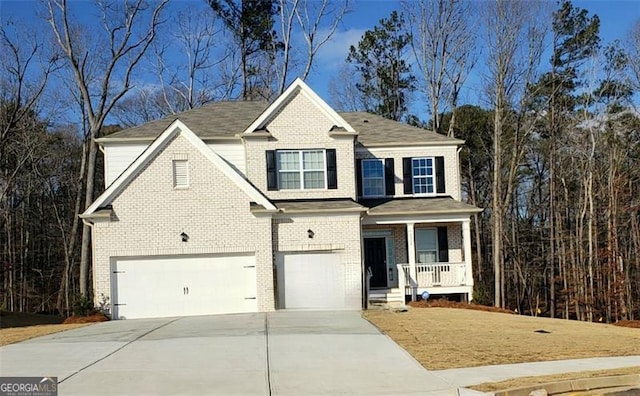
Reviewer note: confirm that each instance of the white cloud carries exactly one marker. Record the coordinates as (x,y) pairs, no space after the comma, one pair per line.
(334,52)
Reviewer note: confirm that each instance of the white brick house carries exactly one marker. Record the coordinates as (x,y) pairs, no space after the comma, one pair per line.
(251,206)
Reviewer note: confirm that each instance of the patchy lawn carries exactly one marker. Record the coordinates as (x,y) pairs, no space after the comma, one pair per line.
(20,326)
(443,338)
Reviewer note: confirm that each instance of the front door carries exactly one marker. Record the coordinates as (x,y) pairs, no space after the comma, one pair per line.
(375,257)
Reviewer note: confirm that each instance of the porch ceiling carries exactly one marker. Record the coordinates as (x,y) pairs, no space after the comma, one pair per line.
(418,206)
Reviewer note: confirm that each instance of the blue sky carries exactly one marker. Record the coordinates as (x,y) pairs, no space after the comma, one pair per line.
(616,18)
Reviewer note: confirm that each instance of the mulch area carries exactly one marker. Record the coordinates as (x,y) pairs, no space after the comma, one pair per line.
(628,323)
(93,318)
(442,303)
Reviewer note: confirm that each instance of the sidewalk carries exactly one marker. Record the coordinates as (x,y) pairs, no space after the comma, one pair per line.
(464,377)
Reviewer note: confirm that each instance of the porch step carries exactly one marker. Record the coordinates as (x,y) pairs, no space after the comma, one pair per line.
(386,296)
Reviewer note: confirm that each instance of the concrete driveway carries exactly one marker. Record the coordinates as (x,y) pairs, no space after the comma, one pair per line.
(280,353)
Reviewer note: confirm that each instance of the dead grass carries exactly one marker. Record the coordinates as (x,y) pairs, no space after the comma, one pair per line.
(531,381)
(443,338)
(20,326)
(18,334)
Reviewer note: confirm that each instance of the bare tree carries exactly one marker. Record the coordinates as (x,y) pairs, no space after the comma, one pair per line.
(102,64)
(514,40)
(633,48)
(25,70)
(444,46)
(316,21)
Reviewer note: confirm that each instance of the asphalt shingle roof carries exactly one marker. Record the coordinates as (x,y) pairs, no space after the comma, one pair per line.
(227,119)
(374,130)
(414,206)
(319,205)
(219,119)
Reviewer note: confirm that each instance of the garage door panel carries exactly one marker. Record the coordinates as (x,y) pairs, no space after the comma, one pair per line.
(178,286)
(311,281)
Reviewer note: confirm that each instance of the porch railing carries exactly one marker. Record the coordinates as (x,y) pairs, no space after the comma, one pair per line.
(433,274)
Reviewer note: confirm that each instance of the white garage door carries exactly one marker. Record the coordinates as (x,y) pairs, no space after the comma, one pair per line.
(180,286)
(311,281)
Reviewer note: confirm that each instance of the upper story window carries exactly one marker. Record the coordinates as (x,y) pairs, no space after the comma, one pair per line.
(180,173)
(301,169)
(376,177)
(422,173)
(373,178)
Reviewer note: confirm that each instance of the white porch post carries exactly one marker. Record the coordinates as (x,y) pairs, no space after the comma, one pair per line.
(411,253)
(466,243)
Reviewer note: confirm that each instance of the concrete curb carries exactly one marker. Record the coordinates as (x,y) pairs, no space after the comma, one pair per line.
(579,385)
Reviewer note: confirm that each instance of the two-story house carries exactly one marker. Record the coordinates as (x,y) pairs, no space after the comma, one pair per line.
(254,206)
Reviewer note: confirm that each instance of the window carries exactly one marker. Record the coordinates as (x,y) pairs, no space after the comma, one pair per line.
(426,245)
(373,176)
(304,169)
(423,175)
(422,169)
(180,173)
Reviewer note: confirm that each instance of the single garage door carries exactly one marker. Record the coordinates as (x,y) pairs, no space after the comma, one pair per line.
(310,281)
(149,287)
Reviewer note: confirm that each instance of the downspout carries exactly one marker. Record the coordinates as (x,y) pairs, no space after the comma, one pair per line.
(93,258)
(459,184)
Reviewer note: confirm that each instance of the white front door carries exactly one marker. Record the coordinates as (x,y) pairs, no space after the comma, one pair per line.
(148,287)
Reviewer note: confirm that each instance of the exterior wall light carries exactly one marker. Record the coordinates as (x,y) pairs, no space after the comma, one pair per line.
(310,233)
(185,237)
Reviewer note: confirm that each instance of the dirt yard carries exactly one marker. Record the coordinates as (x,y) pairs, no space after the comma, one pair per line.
(443,338)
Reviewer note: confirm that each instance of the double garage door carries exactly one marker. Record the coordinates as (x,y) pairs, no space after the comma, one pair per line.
(149,287)
(311,281)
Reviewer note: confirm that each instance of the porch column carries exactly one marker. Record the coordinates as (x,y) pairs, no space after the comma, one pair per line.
(411,253)
(466,245)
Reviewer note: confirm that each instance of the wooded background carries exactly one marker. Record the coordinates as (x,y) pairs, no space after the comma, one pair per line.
(552,140)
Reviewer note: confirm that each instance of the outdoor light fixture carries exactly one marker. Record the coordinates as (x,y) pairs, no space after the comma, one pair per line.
(310,233)
(185,237)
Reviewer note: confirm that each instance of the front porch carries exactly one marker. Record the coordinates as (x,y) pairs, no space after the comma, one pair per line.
(407,254)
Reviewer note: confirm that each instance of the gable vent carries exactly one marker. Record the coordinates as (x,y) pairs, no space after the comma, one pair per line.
(180,173)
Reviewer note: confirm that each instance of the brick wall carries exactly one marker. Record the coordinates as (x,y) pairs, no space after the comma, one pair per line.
(150,215)
(452,181)
(399,232)
(301,125)
(338,233)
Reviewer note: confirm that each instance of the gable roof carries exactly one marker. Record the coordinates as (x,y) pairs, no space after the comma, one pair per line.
(213,120)
(374,130)
(231,119)
(298,86)
(176,128)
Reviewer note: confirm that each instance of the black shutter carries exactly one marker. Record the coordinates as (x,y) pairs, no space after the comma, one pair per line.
(389,177)
(359,176)
(332,174)
(443,245)
(272,171)
(440,175)
(407,176)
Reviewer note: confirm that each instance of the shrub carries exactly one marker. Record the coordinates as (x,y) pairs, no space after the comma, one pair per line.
(82,306)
